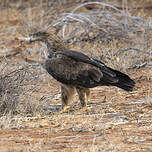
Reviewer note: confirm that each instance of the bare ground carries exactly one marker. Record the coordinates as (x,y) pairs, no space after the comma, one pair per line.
(120,122)
(117,121)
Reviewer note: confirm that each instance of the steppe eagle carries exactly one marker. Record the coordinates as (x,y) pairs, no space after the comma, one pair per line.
(77,71)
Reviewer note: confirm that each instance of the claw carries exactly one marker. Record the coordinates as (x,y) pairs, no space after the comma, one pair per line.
(86,109)
(64,109)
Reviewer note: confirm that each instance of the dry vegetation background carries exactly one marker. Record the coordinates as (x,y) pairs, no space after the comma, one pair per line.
(119,32)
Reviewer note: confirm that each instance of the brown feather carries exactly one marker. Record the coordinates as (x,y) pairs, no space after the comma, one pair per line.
(75,70)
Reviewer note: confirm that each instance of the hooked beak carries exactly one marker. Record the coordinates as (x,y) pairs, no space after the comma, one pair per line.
(32,39)
(28,39)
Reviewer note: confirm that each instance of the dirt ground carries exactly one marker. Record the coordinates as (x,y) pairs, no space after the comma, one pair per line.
(120,122)
(117,120)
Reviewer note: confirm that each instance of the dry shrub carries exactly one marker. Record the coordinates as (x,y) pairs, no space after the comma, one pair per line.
(17,86)
(10,91)
(101,32)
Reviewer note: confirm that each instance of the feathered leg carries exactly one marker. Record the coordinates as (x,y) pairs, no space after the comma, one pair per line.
(87,92)
(83,94)
(67,92)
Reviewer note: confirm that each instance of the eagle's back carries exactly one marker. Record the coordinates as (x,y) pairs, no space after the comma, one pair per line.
(75,68)
(69,71)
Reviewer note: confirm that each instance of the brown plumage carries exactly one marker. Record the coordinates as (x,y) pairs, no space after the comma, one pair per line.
(76,71)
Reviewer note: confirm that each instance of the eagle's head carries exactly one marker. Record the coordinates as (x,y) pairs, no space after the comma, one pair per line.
(38,36)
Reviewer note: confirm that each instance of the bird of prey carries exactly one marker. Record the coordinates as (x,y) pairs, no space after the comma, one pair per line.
(77,71)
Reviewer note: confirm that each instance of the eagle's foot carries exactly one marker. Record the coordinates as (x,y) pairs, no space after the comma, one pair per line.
(64,109)
(86,109)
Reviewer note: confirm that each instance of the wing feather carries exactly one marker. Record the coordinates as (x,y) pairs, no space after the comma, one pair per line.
(69,71)
(78,56)
(75,68)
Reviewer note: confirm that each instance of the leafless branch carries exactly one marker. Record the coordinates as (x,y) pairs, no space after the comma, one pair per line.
(132,49)
(9,53)
(116,23)
(106,5)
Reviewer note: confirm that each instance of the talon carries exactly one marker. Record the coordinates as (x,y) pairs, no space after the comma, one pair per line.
(86,109)
(64,109)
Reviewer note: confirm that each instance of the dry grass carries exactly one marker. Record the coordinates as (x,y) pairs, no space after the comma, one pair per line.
(30,98)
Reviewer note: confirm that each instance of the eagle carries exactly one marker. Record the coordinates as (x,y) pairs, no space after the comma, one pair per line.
(76,71)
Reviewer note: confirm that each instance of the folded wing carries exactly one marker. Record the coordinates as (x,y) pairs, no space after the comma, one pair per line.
(75,68)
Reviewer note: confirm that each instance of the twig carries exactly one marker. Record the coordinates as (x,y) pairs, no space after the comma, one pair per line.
(10,53)
(130,49)
(79,15)
(106,5)
(137,66)
(115,22)
(31,61)
(12,72)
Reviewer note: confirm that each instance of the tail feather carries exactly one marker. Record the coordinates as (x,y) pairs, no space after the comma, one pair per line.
(124,81)
(114,77)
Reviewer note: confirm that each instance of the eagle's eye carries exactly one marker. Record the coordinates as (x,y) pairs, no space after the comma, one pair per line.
(38,36)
